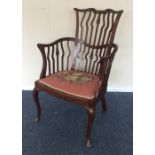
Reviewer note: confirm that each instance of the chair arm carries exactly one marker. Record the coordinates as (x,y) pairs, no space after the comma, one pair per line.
(49,50)
(105,67)
(40,45)
(111,50)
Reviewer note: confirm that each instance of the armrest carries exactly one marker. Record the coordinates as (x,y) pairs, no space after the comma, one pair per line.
(111,50)
(41,45)
(105,66)
(51,53)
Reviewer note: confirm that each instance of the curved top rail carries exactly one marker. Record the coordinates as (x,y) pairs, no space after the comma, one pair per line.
(99,11)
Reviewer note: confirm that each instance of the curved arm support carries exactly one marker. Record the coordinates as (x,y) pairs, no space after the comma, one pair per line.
(106,63)
(56,41)
(46,56)
(44,64)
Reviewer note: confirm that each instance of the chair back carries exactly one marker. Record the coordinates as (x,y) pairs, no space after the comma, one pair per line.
(96,27)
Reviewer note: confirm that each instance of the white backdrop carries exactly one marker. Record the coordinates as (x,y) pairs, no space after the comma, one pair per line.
(47,20)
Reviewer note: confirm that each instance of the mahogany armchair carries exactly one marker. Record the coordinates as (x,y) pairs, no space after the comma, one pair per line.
(77,69)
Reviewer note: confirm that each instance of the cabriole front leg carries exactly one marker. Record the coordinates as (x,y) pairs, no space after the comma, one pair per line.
(91,116)
(37,104)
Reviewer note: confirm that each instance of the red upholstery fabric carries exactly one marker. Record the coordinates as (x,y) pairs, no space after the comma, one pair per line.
(72,82)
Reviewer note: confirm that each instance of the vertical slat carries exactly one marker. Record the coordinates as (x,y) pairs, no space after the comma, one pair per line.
(90,37)
(86,32)
(77,26)
(115,26)
(95,61)
(86,55)
(110,31)
(57,55)
(62,57)
(87,27)
(98,63)
(104,36)
(68,54)
(90,62)
(101,30)
(81,36)
(53,59)
(48,59)
(91,55)
(97,24)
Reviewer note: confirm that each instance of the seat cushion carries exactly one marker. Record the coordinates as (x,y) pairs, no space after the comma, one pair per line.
(73,82)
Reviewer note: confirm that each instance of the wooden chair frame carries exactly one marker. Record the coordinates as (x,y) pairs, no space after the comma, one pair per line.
(103,65)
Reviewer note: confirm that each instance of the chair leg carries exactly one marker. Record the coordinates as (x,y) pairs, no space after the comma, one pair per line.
(91,116)
(37,103)
(104,107)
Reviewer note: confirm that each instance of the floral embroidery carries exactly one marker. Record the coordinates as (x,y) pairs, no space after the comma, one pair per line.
(74,77)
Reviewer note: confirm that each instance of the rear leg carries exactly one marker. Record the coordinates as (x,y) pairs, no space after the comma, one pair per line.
(37,103)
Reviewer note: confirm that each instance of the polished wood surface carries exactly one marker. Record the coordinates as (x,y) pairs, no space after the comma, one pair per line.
(94,42)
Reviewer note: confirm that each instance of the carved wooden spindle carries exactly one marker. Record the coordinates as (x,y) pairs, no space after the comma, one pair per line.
(95,61)
(57,56)
(97,25)
(53,59)
(106,28)
(69,54)
(92,27)
(102,53)
(87,27)
(62,57)
(81,24)
(111,30)
(90,60)
(48,59)
(86,58)
(101,30)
